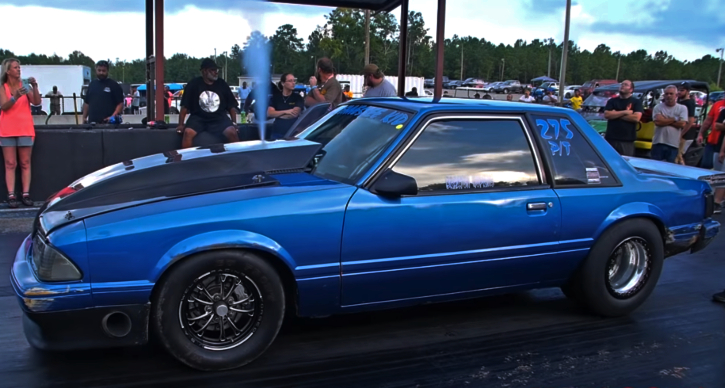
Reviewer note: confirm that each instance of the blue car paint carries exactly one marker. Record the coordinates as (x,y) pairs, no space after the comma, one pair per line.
(250,219)
(454,242)
(41,296)
(354,257)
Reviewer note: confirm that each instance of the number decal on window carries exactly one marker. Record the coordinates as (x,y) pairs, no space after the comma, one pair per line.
(558,147)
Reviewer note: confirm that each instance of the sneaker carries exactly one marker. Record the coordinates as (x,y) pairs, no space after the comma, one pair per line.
(719,297)
(13,201)
(717,209)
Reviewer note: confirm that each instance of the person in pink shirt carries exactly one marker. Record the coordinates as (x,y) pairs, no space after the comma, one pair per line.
(17,131)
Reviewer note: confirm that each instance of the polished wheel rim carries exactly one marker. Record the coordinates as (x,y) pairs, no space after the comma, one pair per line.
(628,267)
(220,310)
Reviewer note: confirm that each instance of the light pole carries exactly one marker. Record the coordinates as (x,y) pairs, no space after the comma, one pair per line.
(619,63)
(719,72)
(226,62)
(503,67)
(551,45)
(461,63)
(564,52)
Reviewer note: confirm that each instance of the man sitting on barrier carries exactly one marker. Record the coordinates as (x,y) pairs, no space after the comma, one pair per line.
(208,98)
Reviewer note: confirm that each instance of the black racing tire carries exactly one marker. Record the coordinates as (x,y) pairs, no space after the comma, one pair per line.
(260,302)
(592,285)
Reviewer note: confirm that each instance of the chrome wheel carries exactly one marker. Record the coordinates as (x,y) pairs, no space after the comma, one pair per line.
(220,310)
(629,267)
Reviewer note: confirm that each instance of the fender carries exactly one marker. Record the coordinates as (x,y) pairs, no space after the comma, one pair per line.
(220,239)
(631,210)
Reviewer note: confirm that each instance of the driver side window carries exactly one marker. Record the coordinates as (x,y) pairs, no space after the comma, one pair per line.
(454,156)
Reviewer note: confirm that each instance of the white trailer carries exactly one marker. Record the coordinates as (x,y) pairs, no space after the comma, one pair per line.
(68,78)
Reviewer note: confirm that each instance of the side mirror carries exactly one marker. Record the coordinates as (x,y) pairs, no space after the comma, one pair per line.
(395,185)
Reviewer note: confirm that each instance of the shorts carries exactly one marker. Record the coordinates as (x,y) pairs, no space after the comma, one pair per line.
(17,141)
(214,126)
(625,148)
(664,152)
(716,165)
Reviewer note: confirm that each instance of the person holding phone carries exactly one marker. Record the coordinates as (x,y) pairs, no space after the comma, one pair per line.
(17,130)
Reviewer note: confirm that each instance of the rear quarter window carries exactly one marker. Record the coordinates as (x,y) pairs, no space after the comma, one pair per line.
(574,161)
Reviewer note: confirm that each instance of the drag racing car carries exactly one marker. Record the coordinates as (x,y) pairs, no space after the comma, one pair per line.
(381,203)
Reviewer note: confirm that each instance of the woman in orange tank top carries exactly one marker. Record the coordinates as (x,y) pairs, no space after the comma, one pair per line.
(17,131)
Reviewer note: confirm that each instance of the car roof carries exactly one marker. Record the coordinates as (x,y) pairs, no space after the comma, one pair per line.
(643,86)
(425,105)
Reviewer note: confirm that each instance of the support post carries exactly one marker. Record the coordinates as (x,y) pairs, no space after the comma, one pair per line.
(619,63)
(719,71)
(462,61)
(440,46)
(160,60)
(403,49)
(367,37)
(564,53)
(150,113)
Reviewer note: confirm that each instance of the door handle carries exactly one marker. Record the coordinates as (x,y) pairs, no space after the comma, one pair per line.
(536,206)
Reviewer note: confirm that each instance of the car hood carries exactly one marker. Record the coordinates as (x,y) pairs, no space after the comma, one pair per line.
(174,174)
(716,179)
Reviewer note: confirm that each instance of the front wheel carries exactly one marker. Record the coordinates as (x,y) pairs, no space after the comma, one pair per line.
(621,270)
(219,310)
(505,91)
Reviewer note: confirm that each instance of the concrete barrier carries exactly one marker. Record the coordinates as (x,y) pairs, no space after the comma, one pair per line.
(61,156)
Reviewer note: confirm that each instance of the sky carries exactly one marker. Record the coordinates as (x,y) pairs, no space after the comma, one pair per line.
(110,29)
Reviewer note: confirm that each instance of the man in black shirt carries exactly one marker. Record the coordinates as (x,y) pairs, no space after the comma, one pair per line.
(208,98)
(104,98)
(683,98)
(284,107)
(622,114)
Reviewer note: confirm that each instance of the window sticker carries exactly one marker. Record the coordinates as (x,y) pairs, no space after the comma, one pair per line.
(593,176)
(560,131)
(383,115)
(462,182)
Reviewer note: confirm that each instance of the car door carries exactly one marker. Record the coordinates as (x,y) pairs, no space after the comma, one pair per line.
(588,188)
(482,219)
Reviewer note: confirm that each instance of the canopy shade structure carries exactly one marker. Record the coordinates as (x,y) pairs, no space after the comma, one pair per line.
(543,78)
(155,42)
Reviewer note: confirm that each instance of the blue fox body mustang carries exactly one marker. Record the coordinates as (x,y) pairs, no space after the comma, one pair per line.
(382,203)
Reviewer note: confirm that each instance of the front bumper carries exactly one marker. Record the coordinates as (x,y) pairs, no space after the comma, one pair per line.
(62,316)
(693,237)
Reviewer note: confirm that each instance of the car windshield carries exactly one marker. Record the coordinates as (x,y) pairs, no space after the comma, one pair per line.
(353,137)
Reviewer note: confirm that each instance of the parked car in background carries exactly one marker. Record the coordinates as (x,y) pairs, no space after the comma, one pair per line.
(474,83)
(540,92)
(411,203)
(489,88)
(454,84)
(589,87)
(569,91)
(716,96)
(510,86)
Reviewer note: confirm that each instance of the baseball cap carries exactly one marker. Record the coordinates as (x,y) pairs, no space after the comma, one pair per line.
(684,85)
(372,69)
(208,63)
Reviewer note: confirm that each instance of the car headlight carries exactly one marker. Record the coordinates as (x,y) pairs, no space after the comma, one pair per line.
(51,265)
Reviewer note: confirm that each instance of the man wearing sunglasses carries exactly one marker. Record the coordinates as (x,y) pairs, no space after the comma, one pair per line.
(208,98)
